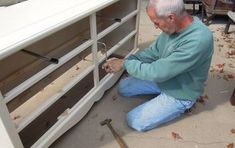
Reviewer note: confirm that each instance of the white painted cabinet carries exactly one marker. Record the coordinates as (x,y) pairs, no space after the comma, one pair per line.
(51,54)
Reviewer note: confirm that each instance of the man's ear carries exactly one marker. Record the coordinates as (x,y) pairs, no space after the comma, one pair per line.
(172,17)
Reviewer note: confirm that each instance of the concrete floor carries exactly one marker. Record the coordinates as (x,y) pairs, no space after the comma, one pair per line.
(208,125)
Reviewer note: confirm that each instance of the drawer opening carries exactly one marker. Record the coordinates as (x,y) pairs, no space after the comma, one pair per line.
(47,119)
(113,38)
(55,45)
(112,14)
(32,102)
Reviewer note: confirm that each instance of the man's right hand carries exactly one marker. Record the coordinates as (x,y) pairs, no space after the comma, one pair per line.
(113,65)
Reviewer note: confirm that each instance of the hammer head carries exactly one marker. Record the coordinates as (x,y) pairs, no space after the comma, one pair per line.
(106,121)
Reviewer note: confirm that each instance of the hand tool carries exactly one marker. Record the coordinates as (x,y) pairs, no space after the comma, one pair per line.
(232,99)
(115,135)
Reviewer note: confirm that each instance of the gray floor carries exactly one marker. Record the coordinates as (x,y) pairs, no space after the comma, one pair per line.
(207,126)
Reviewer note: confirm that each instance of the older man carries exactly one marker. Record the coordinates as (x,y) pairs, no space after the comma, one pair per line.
(174,67)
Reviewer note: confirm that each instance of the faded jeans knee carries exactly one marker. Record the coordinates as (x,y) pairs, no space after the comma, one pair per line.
(156,111)
(136,123)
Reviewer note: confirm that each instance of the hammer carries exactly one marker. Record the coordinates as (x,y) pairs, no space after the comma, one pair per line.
(115,135)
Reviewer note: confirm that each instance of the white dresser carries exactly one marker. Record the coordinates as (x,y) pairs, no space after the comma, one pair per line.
(51,52)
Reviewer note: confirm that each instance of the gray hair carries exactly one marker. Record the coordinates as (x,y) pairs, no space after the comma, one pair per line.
(165,7)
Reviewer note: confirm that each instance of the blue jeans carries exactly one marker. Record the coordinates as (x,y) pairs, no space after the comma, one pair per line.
(154,112)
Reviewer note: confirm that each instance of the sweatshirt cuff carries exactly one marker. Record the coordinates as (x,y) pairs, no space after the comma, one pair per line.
(132,57)
(125,64)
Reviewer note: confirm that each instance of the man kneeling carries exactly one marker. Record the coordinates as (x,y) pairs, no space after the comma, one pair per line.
(174,67)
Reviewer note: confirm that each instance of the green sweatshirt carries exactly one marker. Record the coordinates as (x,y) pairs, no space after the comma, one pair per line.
(178,63)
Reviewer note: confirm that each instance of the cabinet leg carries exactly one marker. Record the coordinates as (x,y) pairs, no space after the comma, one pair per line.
(227,26)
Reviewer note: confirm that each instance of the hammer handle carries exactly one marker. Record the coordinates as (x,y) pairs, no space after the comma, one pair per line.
(232,99)
(117,137)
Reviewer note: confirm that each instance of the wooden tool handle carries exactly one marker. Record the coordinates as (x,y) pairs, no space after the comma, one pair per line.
(117,137)
(232,99)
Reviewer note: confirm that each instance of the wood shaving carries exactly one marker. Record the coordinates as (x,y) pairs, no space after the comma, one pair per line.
(233,130)
(221,71)
(202,99)
(212,70)
(230,145)
(16,117)
(114,98)
(77,68)
(175,136)
(232,46)
(220,65)
(228,41)
(230,65)
(225,78)
(231,53)
(230,76)
(220,45)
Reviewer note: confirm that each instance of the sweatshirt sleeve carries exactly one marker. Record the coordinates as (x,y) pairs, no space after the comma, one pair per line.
(146,55)
(182,59)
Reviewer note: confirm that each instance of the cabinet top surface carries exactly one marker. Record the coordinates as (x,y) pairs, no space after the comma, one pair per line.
(31,20)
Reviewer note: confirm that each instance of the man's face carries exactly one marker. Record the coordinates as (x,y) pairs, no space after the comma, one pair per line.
(166,24)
